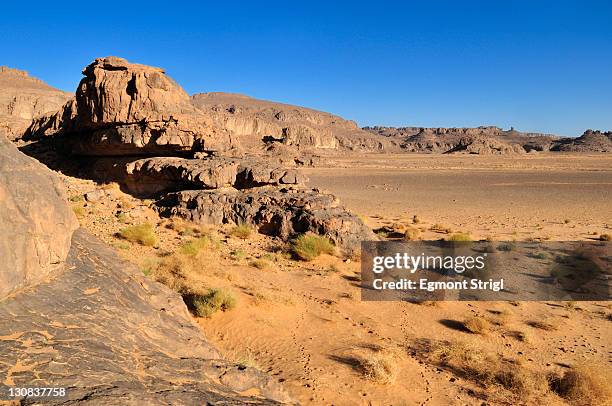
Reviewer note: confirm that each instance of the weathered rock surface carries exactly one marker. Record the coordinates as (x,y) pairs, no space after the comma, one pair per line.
(590,141)
(277,212)
(259,122)
(23,98)
(130,109)
(111,336)
(36,223)
(148,177)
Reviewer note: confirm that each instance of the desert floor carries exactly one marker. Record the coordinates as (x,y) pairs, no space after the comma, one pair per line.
(304,323)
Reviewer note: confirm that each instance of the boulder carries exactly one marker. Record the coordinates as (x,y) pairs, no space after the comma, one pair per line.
(36,222)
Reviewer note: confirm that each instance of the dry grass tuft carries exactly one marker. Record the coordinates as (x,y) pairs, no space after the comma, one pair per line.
(412,234)
(489,370)
(261,263)
(183,227)
(586,385)
(242,231)
(477,325)
(543,325)
(309,246)
(605,237)
(460,237)
(379,365)
(142,234)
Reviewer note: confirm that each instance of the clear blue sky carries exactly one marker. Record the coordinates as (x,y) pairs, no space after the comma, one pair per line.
(536,65)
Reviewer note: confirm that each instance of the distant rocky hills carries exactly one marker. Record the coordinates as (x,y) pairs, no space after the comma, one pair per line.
(489,140)
(23,98)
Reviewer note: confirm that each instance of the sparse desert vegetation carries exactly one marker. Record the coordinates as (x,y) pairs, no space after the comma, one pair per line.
(204,305)
(242,231)
(587,384)
(309,246)
(142,234)
(477,325)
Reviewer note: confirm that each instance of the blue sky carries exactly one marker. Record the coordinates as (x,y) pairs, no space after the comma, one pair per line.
(535,65)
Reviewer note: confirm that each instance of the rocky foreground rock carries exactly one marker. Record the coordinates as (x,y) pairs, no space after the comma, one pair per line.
(96,326)
(35,220)
(146,134)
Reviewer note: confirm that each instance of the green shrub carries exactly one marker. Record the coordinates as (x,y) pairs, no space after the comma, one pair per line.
(211,302)
(242,231)
(309,246)
(142,234)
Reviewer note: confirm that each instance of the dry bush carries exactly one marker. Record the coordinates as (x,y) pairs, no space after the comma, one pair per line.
(586,385)
(309,246)
(460,237)
(477,325)
(379,365)
(142,234)
(543,325)
(242,231)
(412,234)
(416,219)
(605,237)
(261,263)
(489,370)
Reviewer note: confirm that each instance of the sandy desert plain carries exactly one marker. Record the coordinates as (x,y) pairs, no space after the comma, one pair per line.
(304,322)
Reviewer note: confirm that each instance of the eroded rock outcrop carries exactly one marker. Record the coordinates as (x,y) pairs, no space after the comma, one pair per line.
(123,108)
(279,212)
(23,98)
(36,223)
(148,177)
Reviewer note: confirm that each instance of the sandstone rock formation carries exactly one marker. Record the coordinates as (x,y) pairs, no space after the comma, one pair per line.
(98,327)
(129,109)
(23,98)
(148,177)
(35,220)
(220,147)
